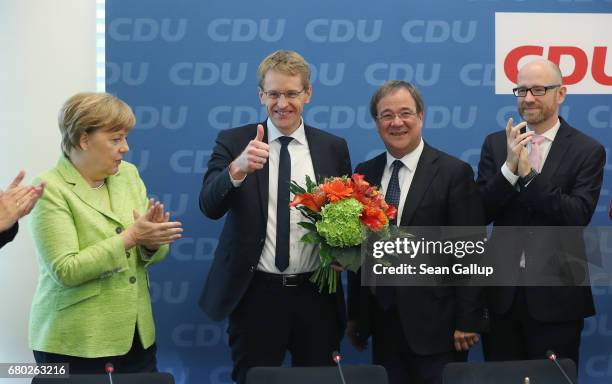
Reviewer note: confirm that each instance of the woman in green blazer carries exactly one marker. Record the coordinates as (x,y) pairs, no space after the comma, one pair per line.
(96,234)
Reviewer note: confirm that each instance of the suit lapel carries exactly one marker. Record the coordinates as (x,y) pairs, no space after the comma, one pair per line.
(373,174)
(316,155)
(557,150)
(424,174)
(84,192)
(263,177)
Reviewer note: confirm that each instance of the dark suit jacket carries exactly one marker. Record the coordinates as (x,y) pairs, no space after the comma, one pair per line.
(8,235)
(246,212)
(564,194)
(442,193)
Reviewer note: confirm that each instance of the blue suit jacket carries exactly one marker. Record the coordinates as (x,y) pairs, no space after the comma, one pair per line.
(246,212)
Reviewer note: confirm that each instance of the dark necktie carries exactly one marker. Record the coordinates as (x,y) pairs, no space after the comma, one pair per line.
(282,205)
(392,196)
(385,295)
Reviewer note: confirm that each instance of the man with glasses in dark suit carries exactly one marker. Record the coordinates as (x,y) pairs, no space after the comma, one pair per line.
(549,175)
(260,274)
(416,330)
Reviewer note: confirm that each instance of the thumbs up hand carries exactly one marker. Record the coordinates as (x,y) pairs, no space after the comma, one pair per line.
(252,159)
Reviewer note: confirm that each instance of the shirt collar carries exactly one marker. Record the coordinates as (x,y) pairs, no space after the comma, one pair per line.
(409,160)
(551,133)
(299,135)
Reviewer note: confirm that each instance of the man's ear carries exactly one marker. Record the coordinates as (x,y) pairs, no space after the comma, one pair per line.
(561,95)
(308,93)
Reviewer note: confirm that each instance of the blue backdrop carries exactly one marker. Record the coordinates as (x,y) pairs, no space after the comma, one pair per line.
(188,69)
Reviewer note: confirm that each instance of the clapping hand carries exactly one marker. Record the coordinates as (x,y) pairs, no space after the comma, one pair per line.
(516,144)
(153,228)
(17,201)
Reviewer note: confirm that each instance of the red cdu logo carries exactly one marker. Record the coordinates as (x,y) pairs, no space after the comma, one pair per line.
(577,42)
(582,62)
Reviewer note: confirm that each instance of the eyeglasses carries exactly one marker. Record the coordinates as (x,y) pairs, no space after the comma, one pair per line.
(275,95)
(538,90)
(404,115)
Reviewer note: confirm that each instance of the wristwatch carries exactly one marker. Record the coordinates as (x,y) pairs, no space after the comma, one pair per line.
(524,181)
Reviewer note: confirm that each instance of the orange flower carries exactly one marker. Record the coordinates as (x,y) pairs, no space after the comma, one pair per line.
(374,218)
(336,189)
(391,212)
(363,199)
(359,182)
(313,201)
(320,198)
(307,200)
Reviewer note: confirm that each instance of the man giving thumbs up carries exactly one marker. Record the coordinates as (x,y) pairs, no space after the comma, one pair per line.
(260,274)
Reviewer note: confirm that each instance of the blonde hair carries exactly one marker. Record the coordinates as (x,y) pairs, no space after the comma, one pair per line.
(88,112)
(285,62)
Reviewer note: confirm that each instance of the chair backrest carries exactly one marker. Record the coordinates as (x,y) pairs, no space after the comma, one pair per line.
(353,374)
(509,372)
(119,378)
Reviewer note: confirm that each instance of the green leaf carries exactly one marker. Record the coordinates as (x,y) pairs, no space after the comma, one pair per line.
(310,214)
(349,258)
(399,232)
(295,188)
(307,225)
(325,255)
(310,185)
(311,238)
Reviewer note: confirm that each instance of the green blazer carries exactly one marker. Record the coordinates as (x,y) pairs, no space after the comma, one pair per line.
(91,292)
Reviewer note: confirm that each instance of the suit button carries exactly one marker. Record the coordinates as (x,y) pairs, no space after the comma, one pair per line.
(118,230)
(262,241)
(127,254)
(132,279)
(252,269)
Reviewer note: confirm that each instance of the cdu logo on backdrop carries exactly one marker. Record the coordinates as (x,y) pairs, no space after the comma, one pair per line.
(245,30)
(146,29)
(580,51)
(343,31)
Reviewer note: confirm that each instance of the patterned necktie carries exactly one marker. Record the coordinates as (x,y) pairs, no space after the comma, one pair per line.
(392,196)
(385,295)
(282,205)
(534,154)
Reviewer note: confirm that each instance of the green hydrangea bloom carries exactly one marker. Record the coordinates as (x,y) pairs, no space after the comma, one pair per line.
(340,225)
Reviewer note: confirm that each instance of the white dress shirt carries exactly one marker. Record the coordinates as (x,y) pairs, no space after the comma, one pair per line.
(302,257)
(405,175)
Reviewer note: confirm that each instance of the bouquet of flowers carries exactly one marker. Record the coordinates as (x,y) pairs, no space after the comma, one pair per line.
(340,211)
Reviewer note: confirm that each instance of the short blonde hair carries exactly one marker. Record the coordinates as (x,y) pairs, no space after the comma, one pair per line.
(286,62)
(88,112)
